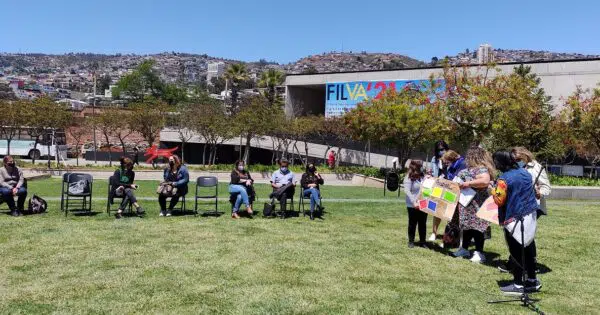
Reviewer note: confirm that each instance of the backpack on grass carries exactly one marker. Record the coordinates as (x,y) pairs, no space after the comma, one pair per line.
(37,205)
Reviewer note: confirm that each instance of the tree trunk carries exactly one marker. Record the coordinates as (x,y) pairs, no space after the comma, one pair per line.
(306,151)
(247,155)
(109,150)
(273,151)
(204,154)
(49,160)
(182,151)
(8,141)
(77,152)
(34,149)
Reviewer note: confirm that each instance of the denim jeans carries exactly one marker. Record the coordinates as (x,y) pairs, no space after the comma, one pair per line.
(314,195)
(241,198)
(9,198)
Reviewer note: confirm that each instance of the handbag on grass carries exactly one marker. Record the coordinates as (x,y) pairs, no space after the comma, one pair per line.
(166,189)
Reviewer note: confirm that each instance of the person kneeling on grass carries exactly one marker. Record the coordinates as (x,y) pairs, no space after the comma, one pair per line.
(177,176)
(241,181)
(11,184)
(310,182)
(123,186)
(517,207)
(412,186)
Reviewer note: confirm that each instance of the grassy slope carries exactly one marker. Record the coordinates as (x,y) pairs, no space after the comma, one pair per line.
(354,261)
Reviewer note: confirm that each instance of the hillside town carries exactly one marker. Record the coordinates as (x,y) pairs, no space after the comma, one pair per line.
(71,76)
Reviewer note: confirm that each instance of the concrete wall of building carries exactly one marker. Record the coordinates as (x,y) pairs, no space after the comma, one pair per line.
(305,101)
(559,79)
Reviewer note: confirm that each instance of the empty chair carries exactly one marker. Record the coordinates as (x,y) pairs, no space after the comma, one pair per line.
(77,186)
(210,186)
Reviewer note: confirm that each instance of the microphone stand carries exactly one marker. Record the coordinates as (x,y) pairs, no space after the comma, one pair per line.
(524,297)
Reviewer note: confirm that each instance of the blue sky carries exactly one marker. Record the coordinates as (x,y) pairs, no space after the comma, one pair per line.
(284,31)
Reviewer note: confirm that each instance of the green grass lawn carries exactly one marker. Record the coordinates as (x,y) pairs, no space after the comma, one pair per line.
(354,261)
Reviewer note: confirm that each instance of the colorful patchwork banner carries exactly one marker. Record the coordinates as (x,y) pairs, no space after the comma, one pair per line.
(439,197)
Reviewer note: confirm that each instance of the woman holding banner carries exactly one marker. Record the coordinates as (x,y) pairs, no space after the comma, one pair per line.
(477,176)
(437,170)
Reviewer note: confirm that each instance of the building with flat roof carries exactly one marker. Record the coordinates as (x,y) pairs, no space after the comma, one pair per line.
(215,70)
(324,93)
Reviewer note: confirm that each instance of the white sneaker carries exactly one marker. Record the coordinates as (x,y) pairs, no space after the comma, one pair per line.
(168,213)
(478,257)
(162,214)
(432,237)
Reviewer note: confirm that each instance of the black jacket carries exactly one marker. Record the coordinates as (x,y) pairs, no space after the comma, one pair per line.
(239,178)
(308,179)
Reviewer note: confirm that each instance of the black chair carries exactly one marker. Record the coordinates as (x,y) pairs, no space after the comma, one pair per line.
(302,198)
(110,187)
(85,197)
(207,182)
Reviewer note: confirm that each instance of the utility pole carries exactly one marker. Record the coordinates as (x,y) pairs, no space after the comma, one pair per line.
(94,121)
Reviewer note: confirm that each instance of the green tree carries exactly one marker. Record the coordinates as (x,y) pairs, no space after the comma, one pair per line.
(182,122)
(270,79)
(113,123)
(404,121)
(148,118)
(40,116)
(6,93)
(250,121)
(11,120)
(144,82)
(103,83)
(235,74)
(78,129)
(212,123)
(581,124)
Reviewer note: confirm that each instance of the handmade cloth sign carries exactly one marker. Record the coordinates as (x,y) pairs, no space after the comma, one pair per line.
(439,197)
(489,211)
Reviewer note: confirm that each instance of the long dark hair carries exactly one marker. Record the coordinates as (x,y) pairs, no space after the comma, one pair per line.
(505,161)
(415,170)
(438,146)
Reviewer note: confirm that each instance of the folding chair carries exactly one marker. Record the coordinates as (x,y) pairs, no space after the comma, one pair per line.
(207,182)
(302,198)
(85,197)
(233,198)
(110,187)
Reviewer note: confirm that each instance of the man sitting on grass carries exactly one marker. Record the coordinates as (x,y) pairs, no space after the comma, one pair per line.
(11,184)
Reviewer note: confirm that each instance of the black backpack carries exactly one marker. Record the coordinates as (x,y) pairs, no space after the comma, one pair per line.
(37,205)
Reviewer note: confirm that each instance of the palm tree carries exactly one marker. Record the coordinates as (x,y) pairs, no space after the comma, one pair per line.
(235,74)
(270,79)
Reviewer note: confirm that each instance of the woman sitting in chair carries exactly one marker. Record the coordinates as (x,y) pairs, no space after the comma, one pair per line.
(241,184)
(178,177)
(310,188)
(123,186)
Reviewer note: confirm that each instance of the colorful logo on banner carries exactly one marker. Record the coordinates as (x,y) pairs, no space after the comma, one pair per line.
(439,197)
(344,96)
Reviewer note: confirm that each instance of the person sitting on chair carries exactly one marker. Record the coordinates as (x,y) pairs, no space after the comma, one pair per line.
(178,177)
(12,184)
(310,188)
(123,186)
(283,184)
(241,184)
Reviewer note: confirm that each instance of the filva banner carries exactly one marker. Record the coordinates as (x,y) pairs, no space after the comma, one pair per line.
(341,97)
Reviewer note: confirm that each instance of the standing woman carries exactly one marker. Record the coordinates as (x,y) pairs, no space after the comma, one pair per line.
(241,181)
(412,186)
(478,176)
(310,182)
(526,160)
(515,196)
(454,163)
(437,170)
(177,176)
